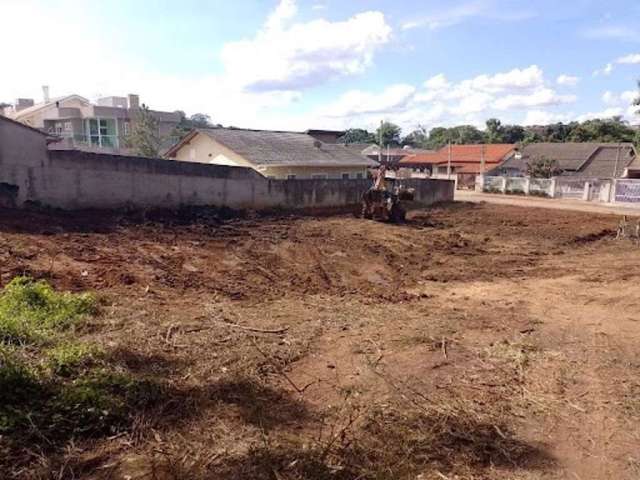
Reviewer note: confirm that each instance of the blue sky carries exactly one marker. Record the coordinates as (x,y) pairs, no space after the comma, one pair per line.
(296,64)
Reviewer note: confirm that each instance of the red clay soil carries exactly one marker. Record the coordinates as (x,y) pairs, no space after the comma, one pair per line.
(476,341)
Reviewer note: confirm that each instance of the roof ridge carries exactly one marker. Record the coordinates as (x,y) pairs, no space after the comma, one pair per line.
(252,130)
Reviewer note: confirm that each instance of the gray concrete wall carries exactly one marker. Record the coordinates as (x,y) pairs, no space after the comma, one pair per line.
(23,151)
(72,179)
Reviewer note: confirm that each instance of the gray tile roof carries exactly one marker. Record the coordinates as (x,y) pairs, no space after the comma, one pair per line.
(595,160)
(570,156)
(271,148)
(605,160)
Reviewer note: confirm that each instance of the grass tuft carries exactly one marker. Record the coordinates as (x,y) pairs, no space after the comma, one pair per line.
(31,311)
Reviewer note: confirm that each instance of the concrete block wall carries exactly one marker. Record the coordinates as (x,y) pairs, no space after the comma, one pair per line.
(72,179)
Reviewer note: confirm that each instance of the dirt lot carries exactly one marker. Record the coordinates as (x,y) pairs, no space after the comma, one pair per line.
(477,341)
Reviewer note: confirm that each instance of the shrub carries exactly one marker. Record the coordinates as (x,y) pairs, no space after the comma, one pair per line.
(31,311)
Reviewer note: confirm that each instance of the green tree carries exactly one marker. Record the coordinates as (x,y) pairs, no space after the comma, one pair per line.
(464,134)
(494,131)
(357,135)
(186,124)
(602,130)
(636,101)
(145,139)
(200,120)
(513,134)
(543,167)
(388,134)
(419,138)
(557,132)
(438,137)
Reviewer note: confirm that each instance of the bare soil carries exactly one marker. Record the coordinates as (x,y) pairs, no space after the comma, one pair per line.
(476,341)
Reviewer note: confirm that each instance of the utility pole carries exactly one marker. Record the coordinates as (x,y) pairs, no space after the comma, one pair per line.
(380,143)
(449,162)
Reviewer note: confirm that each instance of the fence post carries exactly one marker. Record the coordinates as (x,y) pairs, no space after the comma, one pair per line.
(503,188)
(585,191)
(527,185)
(614,187)
(605,192)
(552,193)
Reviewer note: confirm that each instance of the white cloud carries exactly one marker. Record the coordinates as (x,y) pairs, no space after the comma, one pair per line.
(285,10)
(632,59)
(453,15)
(543,117)
(567,80)
(612,32)
(606,70)
(606,113)
(609,98)
(357,102)
(261,77)
(442,102)
(437,82)
(540,97)
(625,98)
(447,18)
(293,58)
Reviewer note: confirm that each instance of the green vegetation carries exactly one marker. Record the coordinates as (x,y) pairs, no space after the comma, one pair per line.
(31,312)
(611,130)
(543,167)
(145,138)
(68,358)
(358,135)
(53,387)
(388,134)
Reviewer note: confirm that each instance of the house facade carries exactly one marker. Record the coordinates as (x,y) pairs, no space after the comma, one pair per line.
(274,154)
(101,126)
(585,160)
(464,162)
(390,156)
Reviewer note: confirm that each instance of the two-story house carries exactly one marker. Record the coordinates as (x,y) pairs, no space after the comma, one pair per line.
(103,125)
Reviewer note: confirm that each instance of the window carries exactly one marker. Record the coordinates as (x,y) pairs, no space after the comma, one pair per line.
(67,126)
(359,176)
(291,177)
(125,128)
(102,132)
(345,176)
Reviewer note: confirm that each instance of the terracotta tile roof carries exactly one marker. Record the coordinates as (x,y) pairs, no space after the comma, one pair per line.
(493,153)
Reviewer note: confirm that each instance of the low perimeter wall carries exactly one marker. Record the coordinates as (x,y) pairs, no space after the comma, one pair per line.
(72,179)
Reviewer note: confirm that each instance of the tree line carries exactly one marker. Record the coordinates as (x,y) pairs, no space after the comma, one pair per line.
(597,130)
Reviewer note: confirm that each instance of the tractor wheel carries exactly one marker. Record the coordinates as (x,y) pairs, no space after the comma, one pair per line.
(397,213)
(366,211)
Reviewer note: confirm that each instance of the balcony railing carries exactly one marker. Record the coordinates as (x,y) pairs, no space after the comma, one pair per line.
(96,141)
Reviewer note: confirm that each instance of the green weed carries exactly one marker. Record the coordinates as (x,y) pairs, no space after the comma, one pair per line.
(68,358)
(31,311)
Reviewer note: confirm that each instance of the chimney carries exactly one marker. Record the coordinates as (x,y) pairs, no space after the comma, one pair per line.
(22,103)
(45,93)
(134,101)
